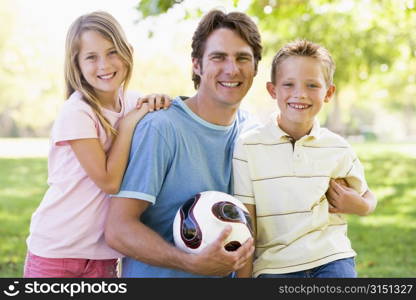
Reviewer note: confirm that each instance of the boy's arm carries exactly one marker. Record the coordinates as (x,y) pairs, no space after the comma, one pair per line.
(346,200)
(247,270)
(243,190)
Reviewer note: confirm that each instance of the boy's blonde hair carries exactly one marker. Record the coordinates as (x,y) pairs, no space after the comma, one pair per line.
(308,49)
(110,29)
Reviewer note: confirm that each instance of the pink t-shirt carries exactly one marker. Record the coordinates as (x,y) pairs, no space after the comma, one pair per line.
(69,223)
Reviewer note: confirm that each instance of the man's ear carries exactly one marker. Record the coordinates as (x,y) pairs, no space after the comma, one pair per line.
(196,66)
(329,93)
(271,89)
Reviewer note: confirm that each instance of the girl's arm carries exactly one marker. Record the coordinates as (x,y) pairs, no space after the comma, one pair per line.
(107,170)
(155,101)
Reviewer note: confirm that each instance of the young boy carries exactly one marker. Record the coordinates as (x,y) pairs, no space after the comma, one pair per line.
(286,173)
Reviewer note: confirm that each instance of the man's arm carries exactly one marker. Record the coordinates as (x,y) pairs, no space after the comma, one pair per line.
(346,200)
(125,233)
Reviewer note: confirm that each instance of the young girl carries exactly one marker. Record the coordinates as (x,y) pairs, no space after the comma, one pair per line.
(90,142)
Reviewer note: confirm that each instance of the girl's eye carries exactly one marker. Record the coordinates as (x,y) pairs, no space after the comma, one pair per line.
(90,57)
(113,52)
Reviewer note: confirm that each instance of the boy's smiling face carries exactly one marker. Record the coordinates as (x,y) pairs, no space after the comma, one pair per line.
(300,90)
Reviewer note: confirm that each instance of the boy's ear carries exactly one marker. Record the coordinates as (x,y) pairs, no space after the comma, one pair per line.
(271,89)
(330,93)
(196,67)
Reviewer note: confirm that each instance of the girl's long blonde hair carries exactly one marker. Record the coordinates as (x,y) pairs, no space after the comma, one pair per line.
(105,24)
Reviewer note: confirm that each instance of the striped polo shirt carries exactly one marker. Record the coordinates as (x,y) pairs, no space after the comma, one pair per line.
(287,184)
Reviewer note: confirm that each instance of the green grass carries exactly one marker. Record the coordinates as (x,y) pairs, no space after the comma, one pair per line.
(385,241)
(22,184)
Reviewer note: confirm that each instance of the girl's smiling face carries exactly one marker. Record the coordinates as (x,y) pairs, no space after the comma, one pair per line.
(100,64)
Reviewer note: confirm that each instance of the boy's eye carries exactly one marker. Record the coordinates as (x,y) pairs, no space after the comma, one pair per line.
(312,85)
(287,84)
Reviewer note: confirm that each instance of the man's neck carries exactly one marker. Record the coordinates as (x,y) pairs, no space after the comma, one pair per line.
(212,112)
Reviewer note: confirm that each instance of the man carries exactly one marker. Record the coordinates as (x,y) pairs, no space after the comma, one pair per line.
(185,150)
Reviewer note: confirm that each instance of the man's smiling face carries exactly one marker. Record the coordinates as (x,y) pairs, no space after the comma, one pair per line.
(227,68)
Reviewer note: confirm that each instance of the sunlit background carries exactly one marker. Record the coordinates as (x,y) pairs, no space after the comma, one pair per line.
(374,46)
(371,41)
(32,51)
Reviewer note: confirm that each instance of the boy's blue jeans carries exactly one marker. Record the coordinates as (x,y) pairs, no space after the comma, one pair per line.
(342,268)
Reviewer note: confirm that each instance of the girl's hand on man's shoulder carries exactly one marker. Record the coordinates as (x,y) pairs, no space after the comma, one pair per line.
(154,101)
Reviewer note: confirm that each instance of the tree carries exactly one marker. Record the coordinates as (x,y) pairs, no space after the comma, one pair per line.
(6,70)
(367,39)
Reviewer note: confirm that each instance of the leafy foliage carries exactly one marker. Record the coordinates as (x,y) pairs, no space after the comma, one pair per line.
(28,89)
(156,7)
(371,42)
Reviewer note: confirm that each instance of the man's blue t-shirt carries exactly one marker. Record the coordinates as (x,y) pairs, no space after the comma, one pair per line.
(174,155)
